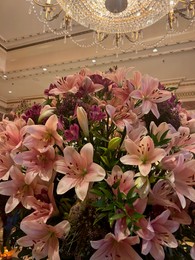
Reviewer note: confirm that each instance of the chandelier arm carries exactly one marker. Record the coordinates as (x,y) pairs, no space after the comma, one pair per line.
(185,16)
(44,5)
(131,39)
(55,16)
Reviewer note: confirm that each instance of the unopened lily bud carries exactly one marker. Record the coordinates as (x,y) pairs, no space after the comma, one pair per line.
(83,120)
(46,112)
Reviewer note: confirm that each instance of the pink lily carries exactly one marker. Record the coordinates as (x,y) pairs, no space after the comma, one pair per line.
(150,95)
(162,194)
(182,179)
(121,114)
(79,170)
(17,189)
(88,86)
(70,83)
(43,238)
(119,75)
(192,252)
(158,233)
(126,179)
(142,155)
(185,140)
(6,163)
(115,246)
(37,163)
(43,136)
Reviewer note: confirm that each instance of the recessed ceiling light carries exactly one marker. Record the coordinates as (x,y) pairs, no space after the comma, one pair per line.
(155,50)
(94,61)
(44,69)
(171,2)
(10,91)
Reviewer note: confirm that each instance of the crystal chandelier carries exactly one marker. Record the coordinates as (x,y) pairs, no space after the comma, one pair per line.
(116,16)
(121,19)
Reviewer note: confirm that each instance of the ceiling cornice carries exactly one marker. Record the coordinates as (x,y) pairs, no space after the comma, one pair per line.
(109,59)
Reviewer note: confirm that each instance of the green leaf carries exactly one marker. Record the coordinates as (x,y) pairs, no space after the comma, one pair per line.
(116,217)
(100,216)
(105,160)
(97,192)
(114,143)
(131,193)
(106,192)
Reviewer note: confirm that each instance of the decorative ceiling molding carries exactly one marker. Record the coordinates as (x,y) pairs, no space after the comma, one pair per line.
(36,39)
(104,60)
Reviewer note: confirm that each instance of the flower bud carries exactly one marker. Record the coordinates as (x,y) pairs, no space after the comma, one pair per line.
(83,120)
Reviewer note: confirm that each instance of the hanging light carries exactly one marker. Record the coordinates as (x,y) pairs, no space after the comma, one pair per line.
(116,16)
(121,19)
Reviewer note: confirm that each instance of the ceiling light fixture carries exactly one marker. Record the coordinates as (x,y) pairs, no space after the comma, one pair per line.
(120,19)
(155,50)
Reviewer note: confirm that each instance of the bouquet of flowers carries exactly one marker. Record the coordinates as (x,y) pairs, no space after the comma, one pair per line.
(104,169)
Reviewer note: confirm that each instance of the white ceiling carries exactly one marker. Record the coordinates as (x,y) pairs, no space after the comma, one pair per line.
(25,50)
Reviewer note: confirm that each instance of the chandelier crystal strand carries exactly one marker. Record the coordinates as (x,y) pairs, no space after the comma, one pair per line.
(121,20)
(133,16)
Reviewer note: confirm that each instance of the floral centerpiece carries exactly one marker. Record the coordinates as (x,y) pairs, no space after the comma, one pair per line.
(104,169)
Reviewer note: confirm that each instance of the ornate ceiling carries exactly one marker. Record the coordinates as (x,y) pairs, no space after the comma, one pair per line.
(25,50)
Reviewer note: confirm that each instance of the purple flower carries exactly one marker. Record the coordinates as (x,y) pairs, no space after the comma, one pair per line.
(46,91)
(97,79)
(73,133)
(96,114)
(33,113)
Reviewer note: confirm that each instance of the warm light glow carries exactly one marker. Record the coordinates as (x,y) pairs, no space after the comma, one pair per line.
(6,254)
(128,17)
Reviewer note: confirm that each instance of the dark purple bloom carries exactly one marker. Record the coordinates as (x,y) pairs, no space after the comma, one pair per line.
(72,134)
(46,92)
(96,113)
(97,79)
(33,113)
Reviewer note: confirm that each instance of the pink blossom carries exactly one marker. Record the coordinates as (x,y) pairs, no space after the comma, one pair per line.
(43,238)
(184,140)
(12,135)
(43,136)
(37,163)
(162,194)
(150,95)
(88,86)
(119,75)
(192,252)
(182,179)
(137,79)
(70,83)
(158,233)
(142,155)
(6,163)
(112,247)
(79,170)
(17,189)
(42,203)
(121,114)
(125,179)
(135,133)
(83,120)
